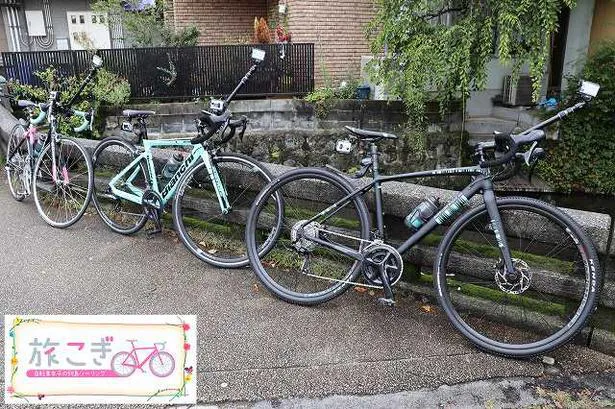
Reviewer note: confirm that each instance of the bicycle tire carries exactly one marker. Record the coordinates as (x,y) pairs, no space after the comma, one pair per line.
(280,261)
(15,167)
(74,174)
(539,308)
(226,248)
(110,157)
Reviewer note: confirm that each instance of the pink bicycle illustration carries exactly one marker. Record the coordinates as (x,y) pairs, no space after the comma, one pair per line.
(161,363)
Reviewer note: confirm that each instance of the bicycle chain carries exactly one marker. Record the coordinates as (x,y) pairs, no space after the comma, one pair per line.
(307,273)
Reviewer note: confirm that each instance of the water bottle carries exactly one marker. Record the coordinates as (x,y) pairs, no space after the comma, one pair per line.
(171,166)
(38,146)
(422,213)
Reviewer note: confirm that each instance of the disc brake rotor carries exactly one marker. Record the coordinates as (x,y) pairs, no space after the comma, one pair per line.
(517,285)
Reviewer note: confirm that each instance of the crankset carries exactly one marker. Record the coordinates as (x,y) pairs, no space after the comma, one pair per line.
(152,202)
(379,255)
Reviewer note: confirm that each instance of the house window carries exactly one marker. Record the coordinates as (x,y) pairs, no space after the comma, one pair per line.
(73,19)
(94,20)
(82,19)
(101,19)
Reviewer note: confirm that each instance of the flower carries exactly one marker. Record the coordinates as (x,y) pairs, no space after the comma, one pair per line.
(187,378)
(186,347)
(10,389)
(16,321)
(186,327)
(14,361)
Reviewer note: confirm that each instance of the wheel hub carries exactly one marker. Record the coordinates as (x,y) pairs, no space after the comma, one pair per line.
(301,233)
(516,282)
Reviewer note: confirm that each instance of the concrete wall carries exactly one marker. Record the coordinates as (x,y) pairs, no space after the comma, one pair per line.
(577,43)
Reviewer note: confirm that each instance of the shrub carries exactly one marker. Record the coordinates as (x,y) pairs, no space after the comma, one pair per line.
(583,158)
(108,89)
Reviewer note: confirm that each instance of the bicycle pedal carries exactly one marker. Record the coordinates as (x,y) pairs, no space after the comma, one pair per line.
(151,233)
(387,302)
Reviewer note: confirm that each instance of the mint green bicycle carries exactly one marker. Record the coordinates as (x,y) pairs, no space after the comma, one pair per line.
(212,191)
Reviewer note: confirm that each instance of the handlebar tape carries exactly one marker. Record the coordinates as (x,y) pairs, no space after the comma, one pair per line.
(214,123)
(86,121)
(40,118)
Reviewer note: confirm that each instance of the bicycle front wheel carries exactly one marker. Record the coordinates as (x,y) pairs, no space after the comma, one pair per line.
(62,193)
(18,169)
(112,156)
(211,235)
(545,302)
(294,267)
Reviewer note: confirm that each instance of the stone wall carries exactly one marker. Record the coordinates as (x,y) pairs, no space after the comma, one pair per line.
(288,132)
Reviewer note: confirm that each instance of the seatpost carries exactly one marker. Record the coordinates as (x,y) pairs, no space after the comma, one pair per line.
(377,188)
(241,83)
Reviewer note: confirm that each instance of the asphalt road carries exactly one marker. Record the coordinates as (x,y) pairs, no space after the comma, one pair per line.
(252,347)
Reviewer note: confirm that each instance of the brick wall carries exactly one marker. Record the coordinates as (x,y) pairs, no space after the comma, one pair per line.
(336,27)
(220,21)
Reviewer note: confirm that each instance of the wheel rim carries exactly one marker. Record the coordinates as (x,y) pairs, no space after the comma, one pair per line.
(548,299)
(162,364)
(294,266)
(118,213)
(117,364)
(210,234)
(62,194)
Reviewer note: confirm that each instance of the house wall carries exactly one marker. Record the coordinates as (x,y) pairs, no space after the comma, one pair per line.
(577,44)
(58,16)
(220,21)
(337,29)
(603,26)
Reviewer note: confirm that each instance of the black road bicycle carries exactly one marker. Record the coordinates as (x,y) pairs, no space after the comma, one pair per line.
(515,261)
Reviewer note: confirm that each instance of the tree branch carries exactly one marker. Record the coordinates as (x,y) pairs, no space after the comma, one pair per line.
(441,12)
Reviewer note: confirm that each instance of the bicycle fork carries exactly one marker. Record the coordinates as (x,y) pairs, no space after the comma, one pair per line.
(219,187)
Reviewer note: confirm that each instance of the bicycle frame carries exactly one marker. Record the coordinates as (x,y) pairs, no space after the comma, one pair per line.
(131,171)
(481,182)
(133,353)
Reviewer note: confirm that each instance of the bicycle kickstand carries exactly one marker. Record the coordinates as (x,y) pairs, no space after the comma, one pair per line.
(387,300)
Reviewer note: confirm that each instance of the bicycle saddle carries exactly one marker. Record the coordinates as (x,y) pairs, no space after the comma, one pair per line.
(370,135)
(134,113)
(131,340)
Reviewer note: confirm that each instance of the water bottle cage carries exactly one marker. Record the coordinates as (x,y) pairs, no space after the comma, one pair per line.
(367,164)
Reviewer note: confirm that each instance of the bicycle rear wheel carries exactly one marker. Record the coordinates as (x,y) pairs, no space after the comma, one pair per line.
(548,302)
(294,267)
(63,194)
(214,237)
(112,156)
(18,169)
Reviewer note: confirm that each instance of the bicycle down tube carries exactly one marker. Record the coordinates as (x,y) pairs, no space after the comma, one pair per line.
(450,210)
(168,191)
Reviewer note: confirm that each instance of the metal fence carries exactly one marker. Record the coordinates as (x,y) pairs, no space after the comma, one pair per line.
(183,72)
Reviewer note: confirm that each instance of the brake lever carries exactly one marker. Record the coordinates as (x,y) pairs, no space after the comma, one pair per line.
(527,156)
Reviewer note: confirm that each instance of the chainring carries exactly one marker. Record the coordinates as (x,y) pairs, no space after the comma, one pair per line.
(152,200)
(375,254)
